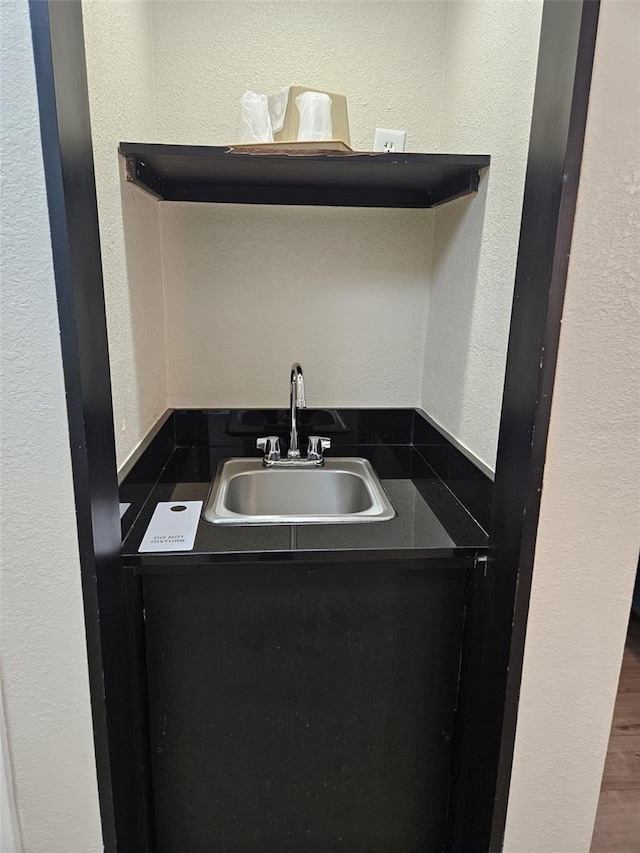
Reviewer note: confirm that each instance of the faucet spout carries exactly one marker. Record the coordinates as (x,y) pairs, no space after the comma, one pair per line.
(297,402)
(317,443)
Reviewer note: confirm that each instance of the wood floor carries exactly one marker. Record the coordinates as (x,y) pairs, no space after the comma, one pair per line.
(617,827)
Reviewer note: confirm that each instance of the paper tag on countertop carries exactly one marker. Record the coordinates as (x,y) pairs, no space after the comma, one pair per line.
(172,527)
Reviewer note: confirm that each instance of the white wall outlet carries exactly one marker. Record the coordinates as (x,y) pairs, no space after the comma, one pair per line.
(389,141)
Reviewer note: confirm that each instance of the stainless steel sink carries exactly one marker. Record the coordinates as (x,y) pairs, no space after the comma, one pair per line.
(341,491)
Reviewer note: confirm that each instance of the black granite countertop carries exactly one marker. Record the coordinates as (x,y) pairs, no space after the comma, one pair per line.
(430,521)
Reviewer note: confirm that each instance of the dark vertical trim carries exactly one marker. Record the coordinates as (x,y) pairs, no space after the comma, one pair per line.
(529,497)
(499,598)
(58,45)
(141,743)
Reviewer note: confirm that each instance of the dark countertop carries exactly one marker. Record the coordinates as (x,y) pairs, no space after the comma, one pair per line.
(430,521)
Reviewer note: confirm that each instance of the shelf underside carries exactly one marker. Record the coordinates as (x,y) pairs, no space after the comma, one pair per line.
(232,175)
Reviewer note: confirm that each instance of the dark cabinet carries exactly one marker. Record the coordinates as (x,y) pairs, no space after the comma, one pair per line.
(303,708)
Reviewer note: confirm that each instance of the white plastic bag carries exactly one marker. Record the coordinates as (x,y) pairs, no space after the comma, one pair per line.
(255,124)
(278,109)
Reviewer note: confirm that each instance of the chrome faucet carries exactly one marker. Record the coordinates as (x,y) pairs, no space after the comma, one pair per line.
(270,444)
(297,402)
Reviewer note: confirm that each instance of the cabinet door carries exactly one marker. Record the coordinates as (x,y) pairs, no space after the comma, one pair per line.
(303,709)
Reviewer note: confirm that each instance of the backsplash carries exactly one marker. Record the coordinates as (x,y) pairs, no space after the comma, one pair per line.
(394,434)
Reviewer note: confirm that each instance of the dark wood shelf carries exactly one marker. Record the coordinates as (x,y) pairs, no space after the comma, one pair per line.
(233,175)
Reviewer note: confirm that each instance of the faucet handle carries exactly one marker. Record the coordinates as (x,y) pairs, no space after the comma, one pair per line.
(317,445)
(271,446)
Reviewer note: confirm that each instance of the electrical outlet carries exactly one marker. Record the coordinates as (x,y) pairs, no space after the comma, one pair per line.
(389,141)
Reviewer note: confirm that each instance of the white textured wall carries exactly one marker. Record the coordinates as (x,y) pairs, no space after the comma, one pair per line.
(387,58)
(458,76)
(44,661)
(489,79)
(249,290)
(119,51)
(588,537)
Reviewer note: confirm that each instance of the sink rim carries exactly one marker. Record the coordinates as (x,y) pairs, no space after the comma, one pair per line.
(215,511)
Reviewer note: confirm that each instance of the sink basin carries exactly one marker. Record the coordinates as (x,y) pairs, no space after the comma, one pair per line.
(342,491)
